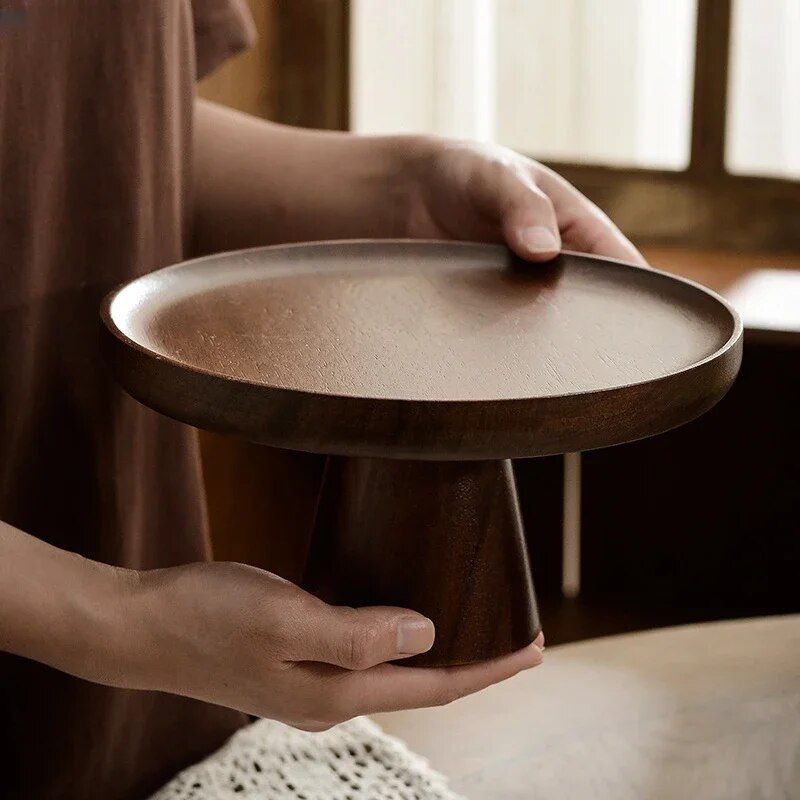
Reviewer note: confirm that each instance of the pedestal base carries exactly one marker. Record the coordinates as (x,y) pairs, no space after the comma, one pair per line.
(443,538)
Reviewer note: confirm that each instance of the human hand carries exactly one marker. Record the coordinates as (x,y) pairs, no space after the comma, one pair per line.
(240,637)
(481,192)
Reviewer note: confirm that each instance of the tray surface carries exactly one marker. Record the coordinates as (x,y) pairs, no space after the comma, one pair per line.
(418,324)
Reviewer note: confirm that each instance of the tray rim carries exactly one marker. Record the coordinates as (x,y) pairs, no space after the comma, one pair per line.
(427,429)
(112,328)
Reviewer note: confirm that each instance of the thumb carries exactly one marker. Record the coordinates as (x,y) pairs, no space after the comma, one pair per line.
(530,226)
(359,638)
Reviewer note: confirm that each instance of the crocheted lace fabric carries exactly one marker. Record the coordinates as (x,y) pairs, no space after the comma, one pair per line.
(270,761)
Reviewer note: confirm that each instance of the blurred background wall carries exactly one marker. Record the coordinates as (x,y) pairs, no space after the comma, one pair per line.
(682,121)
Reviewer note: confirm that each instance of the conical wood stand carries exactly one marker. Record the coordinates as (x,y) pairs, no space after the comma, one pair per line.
(443,538)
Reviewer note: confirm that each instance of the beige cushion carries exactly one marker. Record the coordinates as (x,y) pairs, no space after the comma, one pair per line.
(696,712)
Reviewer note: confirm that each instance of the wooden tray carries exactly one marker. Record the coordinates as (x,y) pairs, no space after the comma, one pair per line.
(427,350)
(421,368)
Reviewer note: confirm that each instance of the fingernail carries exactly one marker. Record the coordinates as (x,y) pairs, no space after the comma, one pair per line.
(414,635)
(539,240)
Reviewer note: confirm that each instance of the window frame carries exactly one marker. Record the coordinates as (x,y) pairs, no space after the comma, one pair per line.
(310,63)
(703,205)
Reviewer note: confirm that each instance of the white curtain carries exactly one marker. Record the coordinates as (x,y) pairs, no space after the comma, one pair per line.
(607,81)
(764,101)
(598,81)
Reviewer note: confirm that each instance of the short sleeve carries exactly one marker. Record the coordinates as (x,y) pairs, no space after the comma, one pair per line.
(222,28)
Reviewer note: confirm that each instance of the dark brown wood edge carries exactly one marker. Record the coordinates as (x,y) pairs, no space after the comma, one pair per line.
(724,211)
(444,538)
(710,95)
(421,430)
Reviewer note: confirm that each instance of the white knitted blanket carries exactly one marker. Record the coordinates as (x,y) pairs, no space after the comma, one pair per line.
(271,761)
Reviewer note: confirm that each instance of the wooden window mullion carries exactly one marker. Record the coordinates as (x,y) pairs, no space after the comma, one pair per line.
(709,107)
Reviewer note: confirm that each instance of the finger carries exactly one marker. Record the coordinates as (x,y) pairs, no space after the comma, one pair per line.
(525,215)
(391,688)
(360,638)
(584,227)
(530,226)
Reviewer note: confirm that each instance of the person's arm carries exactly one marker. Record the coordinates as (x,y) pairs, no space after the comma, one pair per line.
(256,183)
(223,633)
(59,608)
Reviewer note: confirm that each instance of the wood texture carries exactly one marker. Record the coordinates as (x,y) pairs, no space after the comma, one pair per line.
(442,538)
(452,353)
(689,566)
(422,350)
(710,99)
(676,208)
(719,270)
(702,712)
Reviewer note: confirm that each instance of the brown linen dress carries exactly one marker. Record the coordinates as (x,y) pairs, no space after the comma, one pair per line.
(95,125)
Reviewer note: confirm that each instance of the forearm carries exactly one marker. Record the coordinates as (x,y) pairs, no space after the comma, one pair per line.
(257,183)
(59,608)
(224,633)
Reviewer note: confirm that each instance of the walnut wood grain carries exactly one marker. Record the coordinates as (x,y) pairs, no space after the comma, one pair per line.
(424,366)
(442,537)
(422,350)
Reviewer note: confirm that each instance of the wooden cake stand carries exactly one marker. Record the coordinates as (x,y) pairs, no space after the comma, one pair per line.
(420,369)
